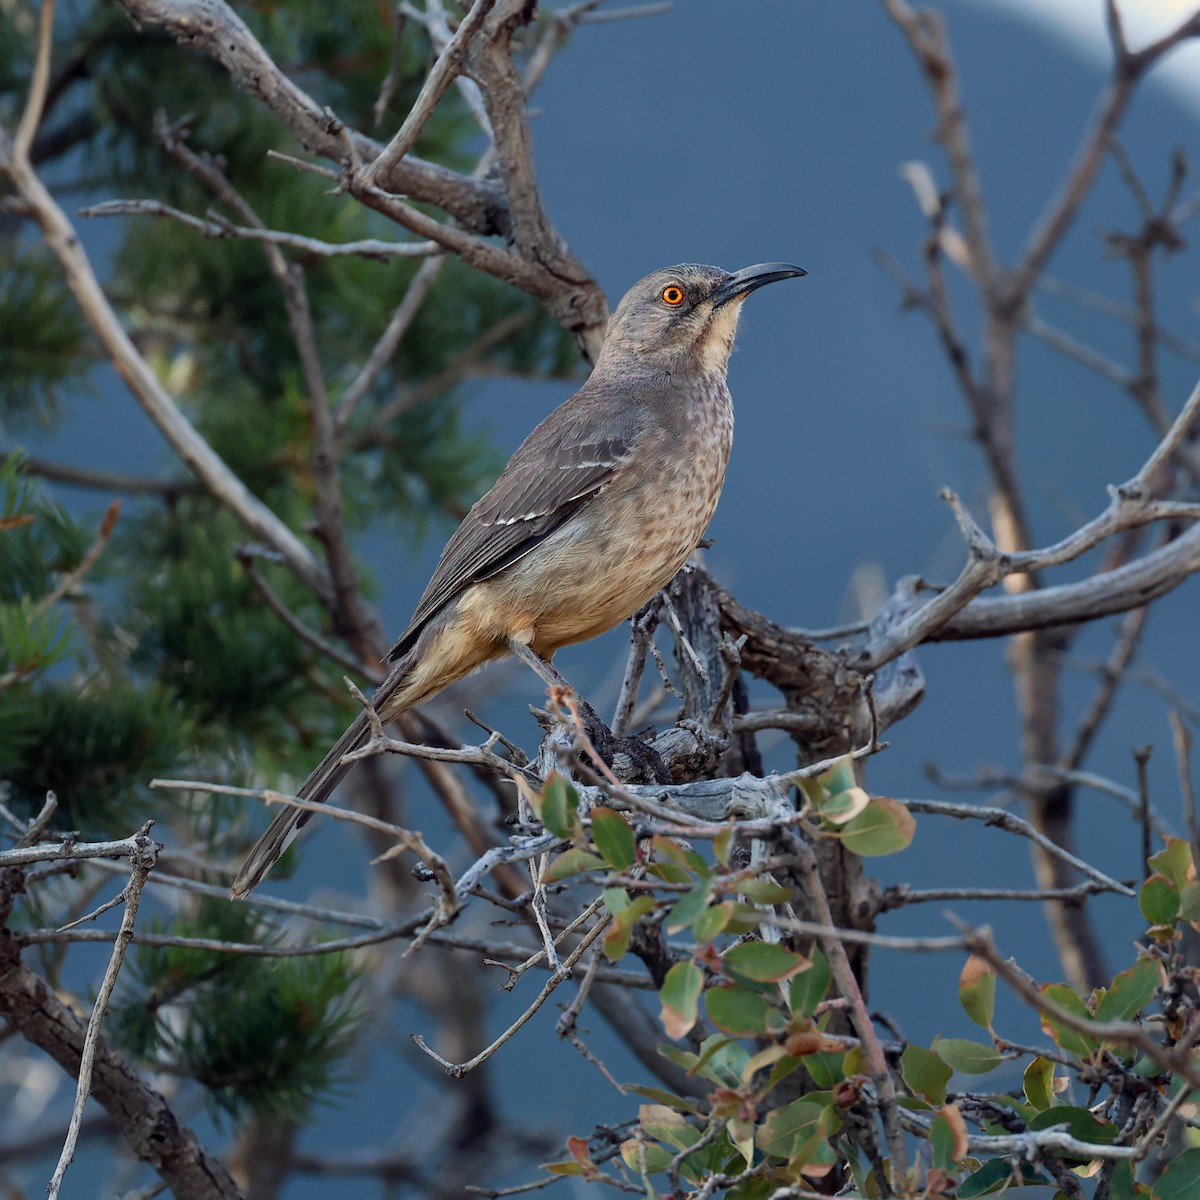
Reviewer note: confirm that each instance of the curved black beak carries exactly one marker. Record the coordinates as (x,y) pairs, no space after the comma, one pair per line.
(742,283)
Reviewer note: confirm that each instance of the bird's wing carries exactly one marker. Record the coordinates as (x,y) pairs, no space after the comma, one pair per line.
(543,485)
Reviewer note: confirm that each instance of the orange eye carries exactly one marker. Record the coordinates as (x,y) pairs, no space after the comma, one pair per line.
(672,295)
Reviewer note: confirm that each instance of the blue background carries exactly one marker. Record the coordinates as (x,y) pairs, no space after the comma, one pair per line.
(736,133)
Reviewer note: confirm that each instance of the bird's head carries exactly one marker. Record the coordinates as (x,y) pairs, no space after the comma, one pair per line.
(685,316)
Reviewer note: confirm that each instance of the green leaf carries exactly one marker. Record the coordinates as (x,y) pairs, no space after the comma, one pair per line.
(740,1011)
(839,778)
(740,1132)
(1130,992)
(996,1175)
(1123,1186)
(1189,901)
(613,837)
(1039,1083)
(571,862)
(763,962)
(711,922)
(1069,1039)
(664,1124)
(1159,900)
(639,1153)
(688,860)
(883,827)
(788,1127)
(723,844)
(560,806)
(826,1068)
(688,907)
(1181,1179)
(1173,862)
(926,1073)
(765,891)
(722,1060)
(977,991)
(616,938)
(669,872)
(808,989)
(816,1152)
(844,806)
(680,996)
(566,1167)
(971,1058)
(743,918)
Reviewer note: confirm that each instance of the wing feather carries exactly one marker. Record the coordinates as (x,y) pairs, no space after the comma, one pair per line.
(552,474)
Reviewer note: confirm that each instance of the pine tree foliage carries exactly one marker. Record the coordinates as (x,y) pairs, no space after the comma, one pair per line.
(262,1036)
(164,659)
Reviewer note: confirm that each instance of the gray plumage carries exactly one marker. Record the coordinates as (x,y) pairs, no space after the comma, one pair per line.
(595,512)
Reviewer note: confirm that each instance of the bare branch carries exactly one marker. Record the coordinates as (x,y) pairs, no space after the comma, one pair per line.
(1011,823)
(847,986)
(310,636)
(104,481)
(35,102)
(458,1070)
(1128,68)
(20,856)
(214,28)
(448,67)
(1183,759)
(926,34)
(385,348)
(1129,508)
(144,861)
(219,227)
(899,895)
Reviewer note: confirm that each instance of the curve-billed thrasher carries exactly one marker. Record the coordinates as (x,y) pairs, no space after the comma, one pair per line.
(596,511)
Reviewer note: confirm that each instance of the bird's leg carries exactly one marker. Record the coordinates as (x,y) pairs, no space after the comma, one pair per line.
(649,766)
(543,668)
(597,731)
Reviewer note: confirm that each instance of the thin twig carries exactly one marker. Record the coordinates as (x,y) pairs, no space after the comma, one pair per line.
(901,894)
(1183,753)
(302,631)
(447,68)
(104,481)
(145,857)
(71,580)
(458,1070)
(847,986)
(384,349)
(1141,756)
(217,226)
(1011,823)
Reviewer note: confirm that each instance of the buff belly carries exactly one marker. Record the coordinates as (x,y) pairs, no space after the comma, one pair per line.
(594,572)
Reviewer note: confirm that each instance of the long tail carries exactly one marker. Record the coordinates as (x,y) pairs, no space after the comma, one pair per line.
(321,784)
(318,787)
